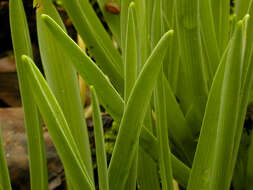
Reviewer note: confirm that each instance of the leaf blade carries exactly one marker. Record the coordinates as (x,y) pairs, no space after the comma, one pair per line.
(36,147)
(62,79)
(126,146)
(95,36)
(99,140)
(57,127)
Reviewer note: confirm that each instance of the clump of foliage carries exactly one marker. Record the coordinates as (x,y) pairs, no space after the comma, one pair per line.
(177,84)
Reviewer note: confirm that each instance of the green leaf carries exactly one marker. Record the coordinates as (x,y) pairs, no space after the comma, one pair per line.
(247,78)
(97,40)
(210,170)
(168,13)
(191,62)
(90,72)
(146,166)
(157,28)
(221,13)
(125,146)
(5,183)
(228,119)
(123,21)
(200,176)
(130,75)
(149,144)
(58,127)
(179,131)
(36,147)
(62,79)
(162,135)
(130,54)
(144,17)
(172,61)
(247,97)
(208,34)
(160,104)
(99,140)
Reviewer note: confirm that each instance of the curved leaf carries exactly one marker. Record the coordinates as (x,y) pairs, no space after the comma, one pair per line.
(97,40)
(36,147)
(133,117)
(99,140)
(58,127)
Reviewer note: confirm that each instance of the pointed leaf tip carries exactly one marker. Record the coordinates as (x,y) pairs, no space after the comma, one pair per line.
(246,17)
(23,57)
(91,87)
(46,18)
(132,4)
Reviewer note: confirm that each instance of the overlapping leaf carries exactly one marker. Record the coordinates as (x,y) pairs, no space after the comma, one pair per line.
(210,169)
(62,79)
(132,119)
(58,127)
(36,148)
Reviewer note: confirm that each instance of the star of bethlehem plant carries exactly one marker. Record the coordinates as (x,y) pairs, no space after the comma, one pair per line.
(178,85)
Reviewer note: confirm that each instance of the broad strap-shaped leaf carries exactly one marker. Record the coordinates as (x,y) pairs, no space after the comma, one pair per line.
(210,170)
(168,10)
(200,176)
(58,127)
(133,117)
(5,183)
(144,16)
(100,144)
(157,28)
(231,99)
(208,34)
(97,40)
(179,131)
(194,79)
(249,41)
(149,144)
(247,80)
(246,98)
(123,21)
(246,91)
(90,72)
(172,60)
(247,84)
(130,54)
(160,105)
(146,164)
(36,147)
(162,134)
(221,13)
(62,79)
